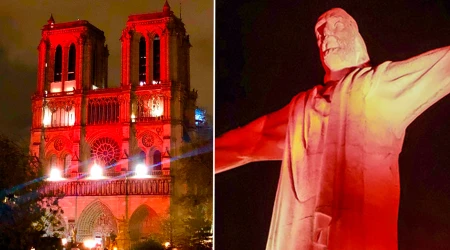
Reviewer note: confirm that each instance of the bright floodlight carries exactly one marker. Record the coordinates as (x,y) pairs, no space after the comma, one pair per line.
(64,241)
(96,172)
(55,175)
(141,170)
(89,243)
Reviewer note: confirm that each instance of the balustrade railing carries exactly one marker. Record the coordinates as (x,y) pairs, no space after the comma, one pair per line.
(151,173)
(128,186)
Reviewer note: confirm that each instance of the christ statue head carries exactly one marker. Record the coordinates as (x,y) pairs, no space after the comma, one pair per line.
(340,44)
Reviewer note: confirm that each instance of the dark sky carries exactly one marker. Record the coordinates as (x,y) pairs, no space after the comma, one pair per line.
(266,53)
(20,32)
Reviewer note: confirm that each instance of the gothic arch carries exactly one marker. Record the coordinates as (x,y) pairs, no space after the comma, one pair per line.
(57,77)
(157,159)
(96,220)
(71,62)
(156,58)
(156,31)
(143,222)
(93,135)
(66,159)
(58,145)
(148,140)
(142,60)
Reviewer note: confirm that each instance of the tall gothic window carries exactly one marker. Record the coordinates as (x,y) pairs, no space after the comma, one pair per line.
(58,116)
(71,73)
(53,161)
(67,163)
(142,61)
(103,110)
(156,59)
(157,160)
(58,64)
(150,108)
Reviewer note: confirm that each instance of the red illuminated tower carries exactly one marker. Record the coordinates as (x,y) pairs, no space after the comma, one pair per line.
(79,124)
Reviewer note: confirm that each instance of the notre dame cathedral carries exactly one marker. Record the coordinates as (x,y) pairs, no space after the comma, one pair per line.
(109,150)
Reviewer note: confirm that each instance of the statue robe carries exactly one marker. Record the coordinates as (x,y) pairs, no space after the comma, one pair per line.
(339,183)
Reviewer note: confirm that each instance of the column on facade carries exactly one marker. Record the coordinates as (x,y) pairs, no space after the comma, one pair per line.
(50,67)
(126,49)
(105,66)
(187,64)
(87,79)
(75,161)
(65,67)
(173,57)
(128,133)
(164,56)
(37,105)
(149,58)
(79,61)
(78,108)
(166,106)
(41,66)
(125,107)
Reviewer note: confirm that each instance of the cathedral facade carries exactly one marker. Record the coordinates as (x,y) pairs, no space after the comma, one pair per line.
(109,150)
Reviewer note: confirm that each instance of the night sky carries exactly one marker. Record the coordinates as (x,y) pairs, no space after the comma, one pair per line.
(20,32)
(266,53)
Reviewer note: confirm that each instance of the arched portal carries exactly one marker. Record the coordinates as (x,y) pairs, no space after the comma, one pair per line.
(96,221)
(143,222)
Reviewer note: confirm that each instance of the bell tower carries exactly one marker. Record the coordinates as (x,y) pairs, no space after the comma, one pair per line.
(155,66)
(73,59)
(155,49)
(72,56)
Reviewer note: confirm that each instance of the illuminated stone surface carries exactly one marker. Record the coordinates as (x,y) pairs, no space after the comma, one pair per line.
(340,142)
(79,121)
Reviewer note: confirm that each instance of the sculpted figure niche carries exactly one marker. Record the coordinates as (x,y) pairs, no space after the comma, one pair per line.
(339,143)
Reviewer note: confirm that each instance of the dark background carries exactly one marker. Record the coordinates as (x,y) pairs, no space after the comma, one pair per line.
(266,53)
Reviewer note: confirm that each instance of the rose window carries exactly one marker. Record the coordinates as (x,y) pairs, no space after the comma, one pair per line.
(105,151)
(58,144)
(147,140)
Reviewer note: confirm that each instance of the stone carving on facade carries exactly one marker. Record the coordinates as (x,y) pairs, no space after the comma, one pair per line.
(58,144)
(147,140)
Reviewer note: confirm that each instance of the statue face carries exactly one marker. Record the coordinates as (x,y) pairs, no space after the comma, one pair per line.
(339,42)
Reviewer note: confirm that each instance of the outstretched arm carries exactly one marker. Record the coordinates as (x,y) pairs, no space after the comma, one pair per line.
(405,89)
(262,139)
